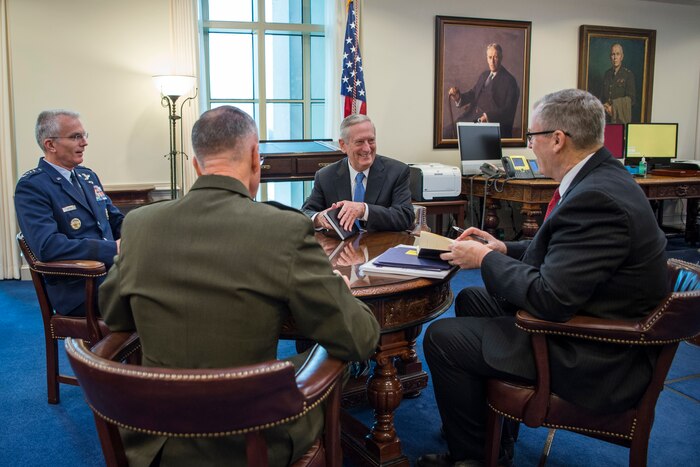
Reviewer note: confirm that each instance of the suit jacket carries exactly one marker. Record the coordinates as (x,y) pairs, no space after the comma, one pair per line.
(207,281)
(500,105)
(388,194)
(60,225)
(600,253)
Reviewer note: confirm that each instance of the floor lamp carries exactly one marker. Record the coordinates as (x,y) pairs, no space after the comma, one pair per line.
(171,88)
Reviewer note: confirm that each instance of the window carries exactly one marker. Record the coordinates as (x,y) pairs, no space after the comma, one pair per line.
(267,57)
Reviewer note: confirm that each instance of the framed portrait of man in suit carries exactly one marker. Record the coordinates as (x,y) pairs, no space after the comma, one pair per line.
(482,69)
(617,66)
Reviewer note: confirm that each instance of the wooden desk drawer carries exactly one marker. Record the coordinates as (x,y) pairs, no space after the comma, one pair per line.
(672,191)
(309,165)
(276,166)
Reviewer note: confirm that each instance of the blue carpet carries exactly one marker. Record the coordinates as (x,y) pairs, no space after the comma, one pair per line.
(36,434)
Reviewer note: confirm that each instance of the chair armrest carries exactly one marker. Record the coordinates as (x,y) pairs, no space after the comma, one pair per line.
(117,346)
(79,267)
(585,327)
(318,373)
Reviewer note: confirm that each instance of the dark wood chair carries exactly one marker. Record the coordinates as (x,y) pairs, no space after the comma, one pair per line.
(57,327)
(206,402)
(676,318)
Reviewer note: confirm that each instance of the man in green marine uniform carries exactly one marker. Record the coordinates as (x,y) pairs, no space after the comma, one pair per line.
(208,280)
(618,92)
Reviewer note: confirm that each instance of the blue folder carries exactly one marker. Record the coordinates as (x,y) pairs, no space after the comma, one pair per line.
(407,257)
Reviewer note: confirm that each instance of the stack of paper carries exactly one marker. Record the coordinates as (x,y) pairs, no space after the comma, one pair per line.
(404,260)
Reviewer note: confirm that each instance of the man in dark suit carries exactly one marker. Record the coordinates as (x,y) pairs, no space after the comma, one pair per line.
(384,184)
(493,98)
(599,253)
(208,280)
(62,208)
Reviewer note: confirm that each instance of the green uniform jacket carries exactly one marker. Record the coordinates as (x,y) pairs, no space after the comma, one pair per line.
(208,280)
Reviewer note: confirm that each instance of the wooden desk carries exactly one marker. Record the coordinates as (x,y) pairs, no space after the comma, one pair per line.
(533,194)
(295,160)
(438,208)
(128,197)
(401,306)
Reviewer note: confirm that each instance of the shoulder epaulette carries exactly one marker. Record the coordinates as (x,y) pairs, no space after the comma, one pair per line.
(31,172)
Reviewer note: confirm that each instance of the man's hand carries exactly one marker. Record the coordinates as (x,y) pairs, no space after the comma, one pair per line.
(483,118)
(345,278)
(349,212)
(320,221)
(454,94)
(350,256)
(468,253)
(608,109)
(493,243)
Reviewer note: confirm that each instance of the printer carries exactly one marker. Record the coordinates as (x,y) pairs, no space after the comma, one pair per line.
(435,182)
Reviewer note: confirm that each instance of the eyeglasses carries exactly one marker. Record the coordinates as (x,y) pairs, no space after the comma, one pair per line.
(529,135)
(76,137)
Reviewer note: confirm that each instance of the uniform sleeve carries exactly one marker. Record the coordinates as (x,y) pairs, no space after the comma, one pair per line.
(114,307)
(322,306)
(36,215)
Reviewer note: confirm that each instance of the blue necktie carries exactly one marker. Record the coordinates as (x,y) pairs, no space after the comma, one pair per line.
(359,193)
(76,186)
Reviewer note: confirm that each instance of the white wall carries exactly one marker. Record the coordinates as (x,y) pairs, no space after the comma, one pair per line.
(398,51)
(95,57)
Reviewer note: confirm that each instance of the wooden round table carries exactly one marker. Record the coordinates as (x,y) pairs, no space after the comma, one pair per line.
(401,305)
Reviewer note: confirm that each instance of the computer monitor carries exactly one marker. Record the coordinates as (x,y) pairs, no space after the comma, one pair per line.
(478,143)
(656,142)
(615,139)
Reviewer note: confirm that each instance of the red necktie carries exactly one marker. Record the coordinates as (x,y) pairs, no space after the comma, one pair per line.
(553,202)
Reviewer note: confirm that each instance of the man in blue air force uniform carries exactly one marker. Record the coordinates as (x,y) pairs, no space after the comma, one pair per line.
(62,208)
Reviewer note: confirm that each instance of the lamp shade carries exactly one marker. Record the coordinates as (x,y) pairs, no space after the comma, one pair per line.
(173,85)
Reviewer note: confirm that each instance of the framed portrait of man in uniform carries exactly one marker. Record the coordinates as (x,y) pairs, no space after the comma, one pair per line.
(617,66)
(482,70)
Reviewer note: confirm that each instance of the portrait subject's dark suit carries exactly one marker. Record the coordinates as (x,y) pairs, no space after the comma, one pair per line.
(498,100)
(58,224)
(208,281)
(388,194)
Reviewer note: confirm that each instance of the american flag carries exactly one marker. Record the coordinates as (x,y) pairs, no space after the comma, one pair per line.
(352,82)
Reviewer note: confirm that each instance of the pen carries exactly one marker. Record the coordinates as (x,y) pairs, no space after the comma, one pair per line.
(475,237)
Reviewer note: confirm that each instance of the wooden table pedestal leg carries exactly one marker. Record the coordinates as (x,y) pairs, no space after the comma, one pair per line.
(531,213)
(491,219)
(381,446)
(410,365)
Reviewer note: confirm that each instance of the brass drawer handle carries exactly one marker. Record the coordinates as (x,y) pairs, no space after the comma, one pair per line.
(682,190)
(323,164)
(265,167)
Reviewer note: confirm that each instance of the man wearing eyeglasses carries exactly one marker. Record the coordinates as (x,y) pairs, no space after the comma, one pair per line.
(62,208)
(599,253)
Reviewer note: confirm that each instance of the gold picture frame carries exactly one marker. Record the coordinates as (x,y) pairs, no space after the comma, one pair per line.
(595,70)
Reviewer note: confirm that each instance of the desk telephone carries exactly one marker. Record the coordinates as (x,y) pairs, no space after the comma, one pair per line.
(521,168)
(490,170)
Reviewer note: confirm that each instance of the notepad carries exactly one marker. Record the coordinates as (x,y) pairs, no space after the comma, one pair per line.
(430,245)
(332,218)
